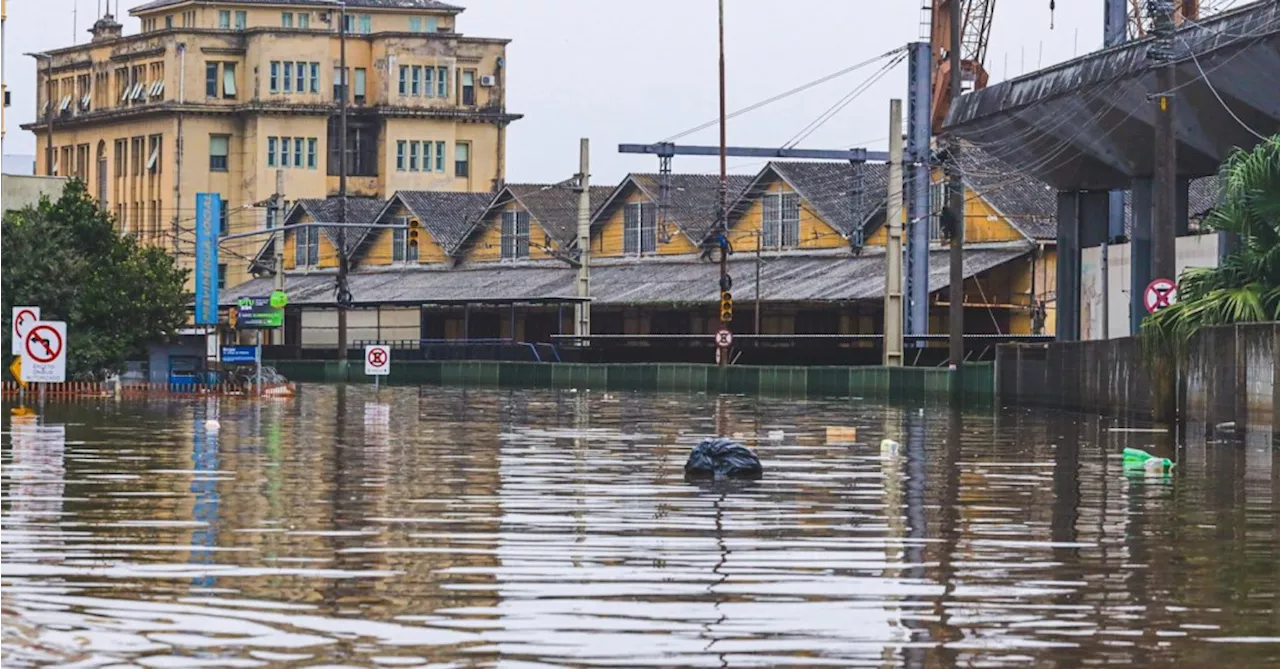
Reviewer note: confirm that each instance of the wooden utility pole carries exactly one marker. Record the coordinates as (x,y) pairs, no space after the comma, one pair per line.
(277,241)
(893,308)
(582,311)
(956,291)
(342,291)
(1164,185)
(722,208)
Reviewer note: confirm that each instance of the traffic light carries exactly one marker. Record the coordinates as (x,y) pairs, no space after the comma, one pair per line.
(414,227)
(726,306)
(233,315)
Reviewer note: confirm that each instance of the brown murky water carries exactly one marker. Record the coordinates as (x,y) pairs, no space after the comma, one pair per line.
(449,528)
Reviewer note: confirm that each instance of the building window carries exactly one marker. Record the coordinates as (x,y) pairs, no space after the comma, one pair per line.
(433,24)
(362,147)
(222,276)
(349,24)
(218,145)
(153,160)
(440,156)
(284,151)
(462,159)
(272,145)
(426,157)
(224,217)
(288,76)
(304,20)
(224,19)
(357,85)
(639,229)
(168,22)
(469,88)
(428,88)
(274,79)
(338,82)
(301,85)
(297,151)
(400,155)
(286,19)
(366,24)
(306,248)
(240,20)
(404,80)
(211,80)
(413,156)
(229,80)
(315,77)
(442,82)
(515,235)
(415,80)
(401,251)
(311,153)
(780,227)
(415,24)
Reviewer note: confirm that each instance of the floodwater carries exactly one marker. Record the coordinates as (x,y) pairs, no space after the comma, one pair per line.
(449,528)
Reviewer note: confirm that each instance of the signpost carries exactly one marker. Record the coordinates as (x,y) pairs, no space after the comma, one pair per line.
(377,362)
(1159,294)
(23,319)
(256,313)
(724,338)
(45,353)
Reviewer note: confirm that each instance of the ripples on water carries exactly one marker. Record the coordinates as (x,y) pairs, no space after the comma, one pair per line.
(446,528)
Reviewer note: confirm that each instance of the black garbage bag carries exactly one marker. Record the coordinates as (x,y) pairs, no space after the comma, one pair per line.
(722,459)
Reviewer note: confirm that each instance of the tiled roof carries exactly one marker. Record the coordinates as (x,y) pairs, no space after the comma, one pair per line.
(842,194)
(329,210)
(556,207)
(447,216)
(360,4)
(693,198)
(1027,203)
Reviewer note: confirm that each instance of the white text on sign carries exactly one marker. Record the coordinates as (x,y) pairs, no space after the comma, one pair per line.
(44,352)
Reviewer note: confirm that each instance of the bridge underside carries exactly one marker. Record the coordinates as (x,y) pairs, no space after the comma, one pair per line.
(1088,124)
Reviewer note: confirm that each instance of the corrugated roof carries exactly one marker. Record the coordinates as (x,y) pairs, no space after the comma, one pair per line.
(693,199)
(555,207)
(447,216)
(1030,205)
(331,4)
(842,194)
(808,277)
(329,210)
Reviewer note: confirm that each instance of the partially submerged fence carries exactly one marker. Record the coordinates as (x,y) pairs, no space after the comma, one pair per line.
(105,389)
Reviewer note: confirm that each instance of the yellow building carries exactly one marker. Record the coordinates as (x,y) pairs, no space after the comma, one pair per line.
(222,97)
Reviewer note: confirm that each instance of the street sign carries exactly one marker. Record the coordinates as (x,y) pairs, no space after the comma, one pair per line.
(15,368)
(23,319)
(1159,294)
(256,313)
(239,355)
(724,338)
(377,360)
(208,224)
(45,353)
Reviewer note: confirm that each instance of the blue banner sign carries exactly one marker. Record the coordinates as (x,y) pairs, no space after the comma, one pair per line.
(238,355)
(208,218)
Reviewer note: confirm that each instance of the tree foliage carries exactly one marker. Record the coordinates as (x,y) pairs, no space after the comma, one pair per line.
(1245,287)
(66,257)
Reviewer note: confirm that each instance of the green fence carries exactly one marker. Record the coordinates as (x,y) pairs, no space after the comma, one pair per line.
(876,382)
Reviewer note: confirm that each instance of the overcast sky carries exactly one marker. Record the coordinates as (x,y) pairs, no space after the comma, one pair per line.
(627,71)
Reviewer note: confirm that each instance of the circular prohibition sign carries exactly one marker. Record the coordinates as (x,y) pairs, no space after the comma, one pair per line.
(43,348)
(378,357)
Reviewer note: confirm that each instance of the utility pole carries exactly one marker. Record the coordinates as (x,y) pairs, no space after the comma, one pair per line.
(957,209)
(917,157)
(582,311)
(1165,170)
(893,312)
(342,292)
(722,209)
(277,239)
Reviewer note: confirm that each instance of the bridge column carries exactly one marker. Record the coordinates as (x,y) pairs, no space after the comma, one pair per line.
(1068,280)
(1139,252)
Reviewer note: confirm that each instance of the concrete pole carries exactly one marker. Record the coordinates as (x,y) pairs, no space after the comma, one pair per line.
(1114,31)
(1165,178)
(722,213)
(919,131)
(277,243)
(582,311)
(956,356)
(893,312)
(343,267)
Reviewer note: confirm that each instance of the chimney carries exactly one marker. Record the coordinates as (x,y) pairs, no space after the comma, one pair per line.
(106,28)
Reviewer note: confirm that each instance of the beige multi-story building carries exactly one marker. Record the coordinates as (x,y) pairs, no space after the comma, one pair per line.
(219,96)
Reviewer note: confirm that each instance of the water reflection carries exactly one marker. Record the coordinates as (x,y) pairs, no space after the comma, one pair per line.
(460,527)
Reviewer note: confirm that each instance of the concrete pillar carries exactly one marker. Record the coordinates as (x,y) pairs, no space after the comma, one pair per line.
(1182,207)
(1139,252)
(1094,216)
(1068,301)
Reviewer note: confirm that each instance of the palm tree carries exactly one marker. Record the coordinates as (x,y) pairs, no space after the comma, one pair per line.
(1245,287)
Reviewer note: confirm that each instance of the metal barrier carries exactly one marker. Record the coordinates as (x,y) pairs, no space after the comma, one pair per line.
(465,349)
(104,389)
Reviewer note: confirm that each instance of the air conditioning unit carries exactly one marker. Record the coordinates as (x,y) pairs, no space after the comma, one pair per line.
(488,80)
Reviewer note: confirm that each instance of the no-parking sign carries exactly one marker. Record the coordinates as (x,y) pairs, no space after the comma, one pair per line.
(377,360)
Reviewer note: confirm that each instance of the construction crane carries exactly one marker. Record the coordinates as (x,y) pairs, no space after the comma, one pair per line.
(975,33)
(1139,23)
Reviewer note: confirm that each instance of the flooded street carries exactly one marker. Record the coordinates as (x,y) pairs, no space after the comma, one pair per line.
(522,528)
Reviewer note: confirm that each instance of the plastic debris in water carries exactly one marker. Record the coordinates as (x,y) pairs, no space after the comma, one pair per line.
(722,459)
(841,435)
(1136,458)
(889,447)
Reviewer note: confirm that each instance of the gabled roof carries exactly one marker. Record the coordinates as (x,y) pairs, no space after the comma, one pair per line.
(844,195)
(447,216)
(1028,204)
(330,4)
(692,200)
(360,210)
(555,208)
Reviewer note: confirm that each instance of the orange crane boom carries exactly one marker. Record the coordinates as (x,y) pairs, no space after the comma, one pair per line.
(975,33)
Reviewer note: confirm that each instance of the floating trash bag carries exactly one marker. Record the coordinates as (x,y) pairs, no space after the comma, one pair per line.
(722,459)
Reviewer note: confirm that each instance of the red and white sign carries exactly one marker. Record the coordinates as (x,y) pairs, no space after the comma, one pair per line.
(377,360)
(1159,294)
(44,353)
(724,338)
(23,319)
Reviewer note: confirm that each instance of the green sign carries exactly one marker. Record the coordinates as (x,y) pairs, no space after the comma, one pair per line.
(257,313)
(279,299)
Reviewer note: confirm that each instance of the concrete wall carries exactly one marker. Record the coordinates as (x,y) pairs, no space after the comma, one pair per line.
(1230,377)
(24,191)
(1194,251)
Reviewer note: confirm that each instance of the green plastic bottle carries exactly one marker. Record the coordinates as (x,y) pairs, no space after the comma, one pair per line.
(1136,458)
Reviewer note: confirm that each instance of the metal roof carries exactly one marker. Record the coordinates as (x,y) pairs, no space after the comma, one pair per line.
(447,216)
(329,4)
(329,210)
(553,206)
(785,277)
(692,201)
